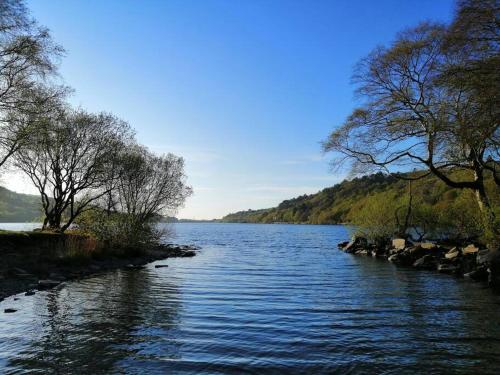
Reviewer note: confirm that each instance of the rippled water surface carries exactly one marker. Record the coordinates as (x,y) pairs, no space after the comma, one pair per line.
(257,299)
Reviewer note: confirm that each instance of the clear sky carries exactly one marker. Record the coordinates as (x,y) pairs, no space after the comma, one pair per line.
(243,90)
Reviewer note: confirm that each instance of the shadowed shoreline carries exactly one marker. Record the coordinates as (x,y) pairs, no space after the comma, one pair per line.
(37,261)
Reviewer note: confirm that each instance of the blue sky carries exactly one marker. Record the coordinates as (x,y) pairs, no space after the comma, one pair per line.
(243,90)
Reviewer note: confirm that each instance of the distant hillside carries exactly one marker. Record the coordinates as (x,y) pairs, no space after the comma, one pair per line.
(15,207)
(339,203)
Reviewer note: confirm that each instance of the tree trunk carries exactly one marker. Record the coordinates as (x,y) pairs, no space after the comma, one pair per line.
(488,217)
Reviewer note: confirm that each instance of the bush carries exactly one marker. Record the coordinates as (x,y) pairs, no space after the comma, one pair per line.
(376,219)
(120,231)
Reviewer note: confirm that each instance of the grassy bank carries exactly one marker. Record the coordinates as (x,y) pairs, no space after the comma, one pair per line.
(29,259)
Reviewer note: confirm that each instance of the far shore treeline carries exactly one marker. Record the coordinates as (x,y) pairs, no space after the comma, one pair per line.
(378,204)
(87,167)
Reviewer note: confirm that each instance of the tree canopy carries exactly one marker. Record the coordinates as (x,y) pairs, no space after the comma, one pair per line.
(430,102)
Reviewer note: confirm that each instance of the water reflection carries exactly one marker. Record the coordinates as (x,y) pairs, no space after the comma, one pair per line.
(258,299)
(98,325)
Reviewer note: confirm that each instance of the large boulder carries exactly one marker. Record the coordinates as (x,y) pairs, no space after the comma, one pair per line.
(356,243)
(402,258)
(452,253)
(470,249)
(399,243)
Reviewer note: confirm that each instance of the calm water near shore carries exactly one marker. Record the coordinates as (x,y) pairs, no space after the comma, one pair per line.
(257,299)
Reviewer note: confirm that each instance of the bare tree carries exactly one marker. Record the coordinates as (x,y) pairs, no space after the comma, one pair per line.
(68,159)
(149,185)
(422,111)
(28,59)
(141,188)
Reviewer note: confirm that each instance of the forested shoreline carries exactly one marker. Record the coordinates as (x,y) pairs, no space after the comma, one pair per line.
(352,201)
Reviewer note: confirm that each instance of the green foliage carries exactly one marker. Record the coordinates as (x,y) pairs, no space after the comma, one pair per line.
(376,216)
(376,203)
(119,230)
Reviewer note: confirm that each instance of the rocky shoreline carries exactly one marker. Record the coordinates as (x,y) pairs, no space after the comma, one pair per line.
(25,275)
(471,261)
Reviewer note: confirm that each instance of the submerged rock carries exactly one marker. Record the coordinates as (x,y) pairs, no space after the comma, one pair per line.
(447,268)
(47,284)
(427,262)
(9,310)
(480,274)
(161,265)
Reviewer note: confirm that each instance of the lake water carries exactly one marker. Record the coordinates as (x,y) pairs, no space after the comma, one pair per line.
(258,299)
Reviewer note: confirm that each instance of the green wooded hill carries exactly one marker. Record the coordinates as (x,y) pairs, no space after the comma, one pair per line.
(18,208)
(343,202)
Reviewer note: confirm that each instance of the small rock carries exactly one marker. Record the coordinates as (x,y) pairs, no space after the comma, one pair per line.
(452,254)
(9,310)
(470,249)
(428,245)
(361,252)
(399,243)
(161,265)
(30,293)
